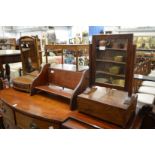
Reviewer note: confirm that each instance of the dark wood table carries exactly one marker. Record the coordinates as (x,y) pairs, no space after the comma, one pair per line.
(6,57)
(38,111)
(41,111)
(44,111)
(144,77)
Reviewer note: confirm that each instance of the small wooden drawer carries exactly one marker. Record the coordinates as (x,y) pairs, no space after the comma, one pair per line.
(27,122)
(7,112)
(8,124)
(74,123)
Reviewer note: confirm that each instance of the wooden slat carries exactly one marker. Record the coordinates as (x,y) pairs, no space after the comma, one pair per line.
(75,47)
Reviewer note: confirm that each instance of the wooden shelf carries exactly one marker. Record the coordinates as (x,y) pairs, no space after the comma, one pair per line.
(63,83)
(112,49)
(110,61)
(110,84)
(107,73)
(147,50)
(64,92)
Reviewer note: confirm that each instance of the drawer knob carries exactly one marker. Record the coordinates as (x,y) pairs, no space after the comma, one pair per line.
(33,126)
(51,127)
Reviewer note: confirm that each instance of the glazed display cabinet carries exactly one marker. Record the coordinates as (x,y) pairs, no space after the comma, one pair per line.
(112,61)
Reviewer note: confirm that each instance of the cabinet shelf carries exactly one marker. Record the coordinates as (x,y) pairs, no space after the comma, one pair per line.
(110,61)
(112,49)
(107,73)
(110,84)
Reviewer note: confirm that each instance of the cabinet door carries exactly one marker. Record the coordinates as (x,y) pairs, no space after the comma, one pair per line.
(111,60)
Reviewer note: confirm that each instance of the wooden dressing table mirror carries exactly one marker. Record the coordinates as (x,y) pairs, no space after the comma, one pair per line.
(31,62)
(29,48)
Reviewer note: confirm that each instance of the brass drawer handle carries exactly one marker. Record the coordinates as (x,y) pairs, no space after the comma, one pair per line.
(33,126)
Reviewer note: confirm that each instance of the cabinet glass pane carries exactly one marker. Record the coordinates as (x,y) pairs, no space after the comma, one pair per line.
(111,57)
